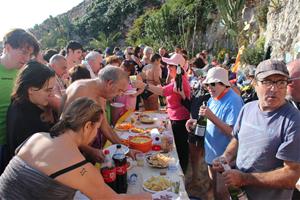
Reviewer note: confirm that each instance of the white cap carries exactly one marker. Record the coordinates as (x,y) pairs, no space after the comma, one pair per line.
(217,75)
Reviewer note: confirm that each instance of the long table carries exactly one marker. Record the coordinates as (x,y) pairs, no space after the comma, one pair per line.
(146,171)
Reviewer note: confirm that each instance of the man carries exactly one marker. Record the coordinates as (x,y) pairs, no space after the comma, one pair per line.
(19,46)
(59,64)
(221,112)
(93,62)
(293,89)
(73,53)
(266,139)
(111,82)
(293,95)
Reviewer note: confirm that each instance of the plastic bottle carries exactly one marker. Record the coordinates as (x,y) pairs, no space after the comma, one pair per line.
(121,170)
(156,146)
(108,170)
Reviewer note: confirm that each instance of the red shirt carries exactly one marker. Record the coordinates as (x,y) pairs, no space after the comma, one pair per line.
(175,109)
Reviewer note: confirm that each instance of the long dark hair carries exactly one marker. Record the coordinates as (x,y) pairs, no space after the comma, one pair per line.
(76,115)
(33,74)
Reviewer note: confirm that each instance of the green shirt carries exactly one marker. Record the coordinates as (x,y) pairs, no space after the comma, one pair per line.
(7,79)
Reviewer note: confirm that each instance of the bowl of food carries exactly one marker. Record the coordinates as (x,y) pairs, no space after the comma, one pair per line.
(156,184)
(141,143)
(137,130)
(147,120)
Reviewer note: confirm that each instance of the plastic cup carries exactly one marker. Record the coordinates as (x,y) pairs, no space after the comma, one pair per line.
(140,159)
(132,78)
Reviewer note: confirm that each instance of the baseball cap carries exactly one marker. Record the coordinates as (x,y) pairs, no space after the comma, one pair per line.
(270,67)
(217,75)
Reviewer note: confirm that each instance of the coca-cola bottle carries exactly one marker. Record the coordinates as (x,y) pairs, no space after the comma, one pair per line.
(121,170)
(108,170)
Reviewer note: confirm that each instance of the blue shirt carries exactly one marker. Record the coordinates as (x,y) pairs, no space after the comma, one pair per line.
(266,140)
(227,110)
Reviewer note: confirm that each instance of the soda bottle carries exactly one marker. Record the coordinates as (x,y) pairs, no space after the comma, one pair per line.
(121,170)
(178,78)
(234,192)
(201,124)
(108,170)
(156,144)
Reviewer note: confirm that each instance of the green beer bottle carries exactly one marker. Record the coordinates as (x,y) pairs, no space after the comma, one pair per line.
(234,192)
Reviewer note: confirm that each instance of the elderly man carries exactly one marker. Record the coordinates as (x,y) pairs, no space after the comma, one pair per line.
(111,82)
(59,64)
(93,62)
(221,112)
(292,91)
(266,139)
(19,47)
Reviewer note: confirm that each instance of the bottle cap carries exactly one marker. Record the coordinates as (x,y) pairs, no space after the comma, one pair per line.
(119,146)
(106,152)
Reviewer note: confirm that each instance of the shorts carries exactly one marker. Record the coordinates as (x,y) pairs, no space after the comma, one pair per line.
(196,140)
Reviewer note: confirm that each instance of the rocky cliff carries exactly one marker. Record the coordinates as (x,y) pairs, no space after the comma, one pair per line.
(283,30)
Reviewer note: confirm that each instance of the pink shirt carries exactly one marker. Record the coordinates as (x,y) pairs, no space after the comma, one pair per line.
(175,109)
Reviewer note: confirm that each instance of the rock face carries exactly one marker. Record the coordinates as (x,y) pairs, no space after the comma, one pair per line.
(283,30)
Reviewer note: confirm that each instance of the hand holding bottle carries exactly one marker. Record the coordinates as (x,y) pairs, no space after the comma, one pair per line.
(190,125)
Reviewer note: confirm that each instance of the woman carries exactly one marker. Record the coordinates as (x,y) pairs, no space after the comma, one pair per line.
(50,165)
(152,75)
(177,112)
(29,112)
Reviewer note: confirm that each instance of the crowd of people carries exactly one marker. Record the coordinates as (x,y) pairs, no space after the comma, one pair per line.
(56,101)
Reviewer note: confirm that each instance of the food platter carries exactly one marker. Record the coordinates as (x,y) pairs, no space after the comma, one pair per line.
(124,127)
(165,195)
(157,183)
(147,120)
(158,160)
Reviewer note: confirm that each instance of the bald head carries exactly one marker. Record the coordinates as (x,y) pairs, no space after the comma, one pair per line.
(113,73)
(293,88)
(59,64)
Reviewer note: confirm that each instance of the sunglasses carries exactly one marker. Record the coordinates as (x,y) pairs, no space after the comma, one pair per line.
(210,84)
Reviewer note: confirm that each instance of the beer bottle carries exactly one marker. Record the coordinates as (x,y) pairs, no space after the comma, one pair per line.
(234,192)
(178,78)
(121,170)
(108,170)
(201,124)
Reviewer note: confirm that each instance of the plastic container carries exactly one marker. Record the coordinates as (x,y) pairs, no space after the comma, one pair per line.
(141,143)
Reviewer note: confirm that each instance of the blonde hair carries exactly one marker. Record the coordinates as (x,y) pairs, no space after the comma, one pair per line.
(76,115)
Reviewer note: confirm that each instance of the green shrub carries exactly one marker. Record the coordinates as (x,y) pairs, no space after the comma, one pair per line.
(254,54)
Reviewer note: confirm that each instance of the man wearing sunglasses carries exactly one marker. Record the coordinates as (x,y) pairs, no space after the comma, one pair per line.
(221,112)
(266,139)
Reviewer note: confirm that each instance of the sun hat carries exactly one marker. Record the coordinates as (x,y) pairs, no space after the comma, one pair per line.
(217,75)
(175,59)
(270,67)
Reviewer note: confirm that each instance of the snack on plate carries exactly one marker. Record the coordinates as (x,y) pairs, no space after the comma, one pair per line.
(147,120)
(157,183)
(137,130)
(124,126)
(158,160)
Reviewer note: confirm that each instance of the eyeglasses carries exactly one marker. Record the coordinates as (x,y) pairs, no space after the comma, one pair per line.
(210,84)
(294,79)
(279,83)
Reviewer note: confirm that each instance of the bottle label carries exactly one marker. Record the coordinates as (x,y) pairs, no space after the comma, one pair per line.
(109,175)
(200,130)
(121,170)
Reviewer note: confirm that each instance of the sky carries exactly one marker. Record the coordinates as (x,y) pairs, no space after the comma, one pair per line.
(26,13)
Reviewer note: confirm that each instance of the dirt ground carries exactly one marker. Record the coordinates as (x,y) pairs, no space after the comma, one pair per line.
(202,188)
